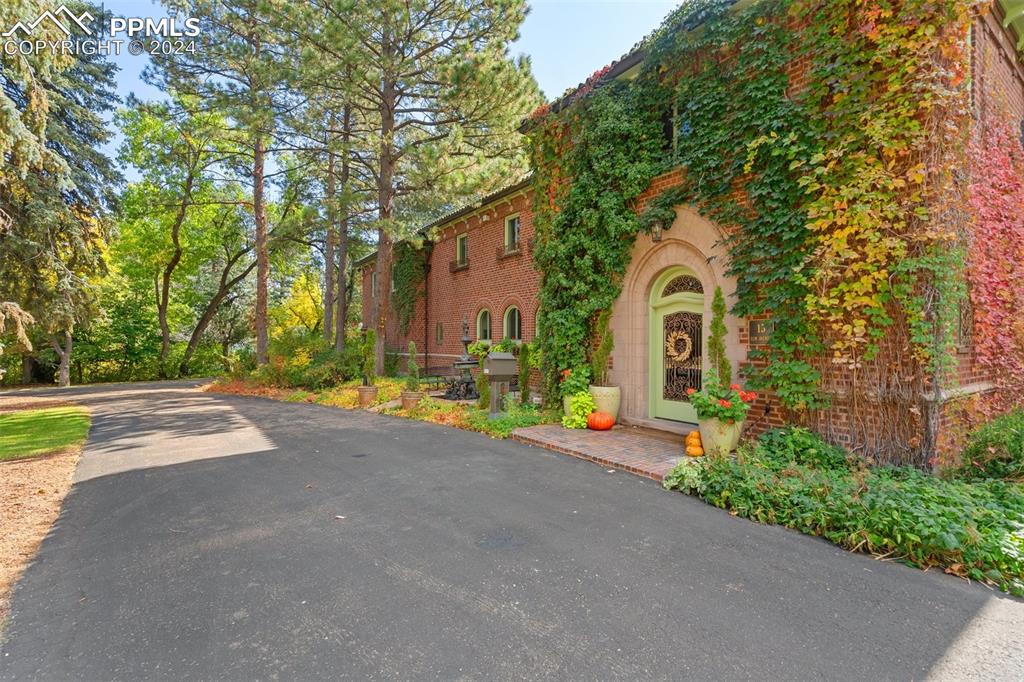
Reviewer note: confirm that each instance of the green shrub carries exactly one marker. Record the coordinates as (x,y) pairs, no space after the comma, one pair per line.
(391,362)
(483,386)
(575,380)
(791,478)
(412,370)
(996,450)
(793,444)
(580,405)
(716,341)
(605,346)
(687,477)
(524,373)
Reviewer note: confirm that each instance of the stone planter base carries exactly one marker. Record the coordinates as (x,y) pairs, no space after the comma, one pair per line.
(367,395)
(410,399)
(607,399)
(567,405)
(719,438)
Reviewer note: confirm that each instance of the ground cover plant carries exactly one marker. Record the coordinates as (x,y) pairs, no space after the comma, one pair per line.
(462,415)
(996,450)
(791,477)
(33,433)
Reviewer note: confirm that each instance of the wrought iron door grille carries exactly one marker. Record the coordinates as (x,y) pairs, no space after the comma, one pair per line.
(683,352)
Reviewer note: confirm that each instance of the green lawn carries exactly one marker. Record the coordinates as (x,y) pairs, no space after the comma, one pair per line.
(30,433)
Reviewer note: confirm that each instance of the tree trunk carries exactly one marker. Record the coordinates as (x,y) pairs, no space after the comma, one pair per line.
(262,252)
(343,284)
(163,284)
(27,367)
(64,353)
(211,309)
(329,267)
(385,207)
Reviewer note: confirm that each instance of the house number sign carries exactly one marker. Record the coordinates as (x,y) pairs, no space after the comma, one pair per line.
(759,331)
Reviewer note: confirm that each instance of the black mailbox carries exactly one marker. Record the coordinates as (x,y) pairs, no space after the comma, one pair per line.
(500,367)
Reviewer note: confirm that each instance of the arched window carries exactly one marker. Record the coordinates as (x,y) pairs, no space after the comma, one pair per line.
(513,323)
(483,325)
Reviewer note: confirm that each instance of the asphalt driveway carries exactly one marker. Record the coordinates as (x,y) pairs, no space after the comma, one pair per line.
(213,537)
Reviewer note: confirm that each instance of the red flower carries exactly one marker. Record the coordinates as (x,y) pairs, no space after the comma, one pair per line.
(724,403)
(690,391)
(565,374)
(735,387)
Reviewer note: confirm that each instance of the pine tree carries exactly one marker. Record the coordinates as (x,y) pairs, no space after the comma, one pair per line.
(439,101)
(59,208)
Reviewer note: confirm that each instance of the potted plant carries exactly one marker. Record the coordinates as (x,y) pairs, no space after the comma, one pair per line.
(720,414)
(573,381)
(581,406)
(412,394)
(368,392)
(606,397)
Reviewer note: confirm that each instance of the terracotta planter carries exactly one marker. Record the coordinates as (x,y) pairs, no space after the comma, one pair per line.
(567,405)
(719,438)
(367,395)
(607,399)
(410,399)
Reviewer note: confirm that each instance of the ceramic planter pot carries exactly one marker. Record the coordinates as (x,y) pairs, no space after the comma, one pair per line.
(719,438)
(410,399)
(607,399)
(367,395)
(567,405)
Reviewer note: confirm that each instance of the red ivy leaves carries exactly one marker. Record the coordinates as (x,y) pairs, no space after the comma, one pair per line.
(997,249)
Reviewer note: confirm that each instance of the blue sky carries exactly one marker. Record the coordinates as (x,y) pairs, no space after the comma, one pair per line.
(566,40)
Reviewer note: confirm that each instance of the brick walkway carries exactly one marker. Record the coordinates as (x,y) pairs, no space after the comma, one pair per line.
(634,450)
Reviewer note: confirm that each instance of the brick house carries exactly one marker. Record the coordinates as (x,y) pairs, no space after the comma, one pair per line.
(480,268)
(479,272)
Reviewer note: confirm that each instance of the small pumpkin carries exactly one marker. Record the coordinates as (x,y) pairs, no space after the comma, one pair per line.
(693,436)
(694,451)
(600,421)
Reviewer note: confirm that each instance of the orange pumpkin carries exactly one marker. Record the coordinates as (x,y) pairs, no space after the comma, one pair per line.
(694,450)
(600,421)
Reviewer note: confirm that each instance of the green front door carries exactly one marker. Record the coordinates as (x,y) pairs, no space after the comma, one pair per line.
(676,344)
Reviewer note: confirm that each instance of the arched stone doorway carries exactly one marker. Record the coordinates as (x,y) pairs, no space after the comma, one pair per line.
(690,248)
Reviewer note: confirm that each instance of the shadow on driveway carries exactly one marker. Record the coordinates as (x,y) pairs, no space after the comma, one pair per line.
(348,544)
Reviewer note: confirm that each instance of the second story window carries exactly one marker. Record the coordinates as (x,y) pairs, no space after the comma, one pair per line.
(373,283)
(512,233)
(462,249)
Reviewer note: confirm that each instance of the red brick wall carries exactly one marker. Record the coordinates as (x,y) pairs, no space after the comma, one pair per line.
(488,282)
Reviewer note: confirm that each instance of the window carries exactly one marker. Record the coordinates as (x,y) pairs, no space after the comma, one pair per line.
(439,334)
(513,324)
(462,249)
(483,326)
(373,283)
(512,233)
(394,281)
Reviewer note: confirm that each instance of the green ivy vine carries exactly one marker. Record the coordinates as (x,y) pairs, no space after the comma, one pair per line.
(409,271)
(824,190)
